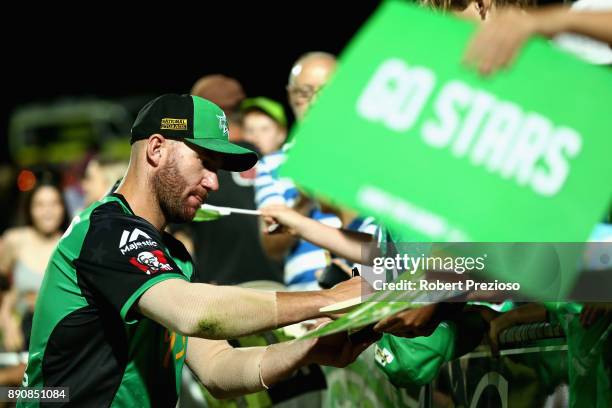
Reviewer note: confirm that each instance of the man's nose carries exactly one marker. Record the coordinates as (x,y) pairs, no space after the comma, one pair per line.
(211,181)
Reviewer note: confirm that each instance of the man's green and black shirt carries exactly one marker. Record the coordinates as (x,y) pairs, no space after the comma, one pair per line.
(87,334)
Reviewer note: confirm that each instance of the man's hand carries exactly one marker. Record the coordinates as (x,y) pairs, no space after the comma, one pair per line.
(349,289)
(337,350)
(410,323)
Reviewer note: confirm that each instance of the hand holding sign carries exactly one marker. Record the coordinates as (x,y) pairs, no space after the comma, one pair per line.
(500,39)
(445,155)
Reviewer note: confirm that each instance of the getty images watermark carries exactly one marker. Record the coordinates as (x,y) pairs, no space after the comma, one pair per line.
(410,266)
(495,271)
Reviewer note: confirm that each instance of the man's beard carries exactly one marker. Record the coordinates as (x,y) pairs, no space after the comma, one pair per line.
(169,186)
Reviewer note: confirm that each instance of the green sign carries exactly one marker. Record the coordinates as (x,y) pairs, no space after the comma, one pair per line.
(406,133)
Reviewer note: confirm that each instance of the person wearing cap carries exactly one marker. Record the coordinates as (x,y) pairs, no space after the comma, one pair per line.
(228,251)
(303,260)
(117,316)
(227,93)
(264,124)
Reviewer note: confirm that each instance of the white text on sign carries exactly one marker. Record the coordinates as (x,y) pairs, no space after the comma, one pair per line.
(518,145)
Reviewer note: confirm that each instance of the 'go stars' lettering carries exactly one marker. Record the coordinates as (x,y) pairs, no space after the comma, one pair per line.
(498,135)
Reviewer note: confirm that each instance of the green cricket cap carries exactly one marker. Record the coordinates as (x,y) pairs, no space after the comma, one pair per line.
(196,121)
(266,105)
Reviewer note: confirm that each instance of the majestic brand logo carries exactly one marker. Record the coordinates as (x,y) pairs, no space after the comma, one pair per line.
(129,241)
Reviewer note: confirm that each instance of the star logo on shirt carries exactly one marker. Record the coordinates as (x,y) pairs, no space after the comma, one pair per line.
(105,224)
(98,253)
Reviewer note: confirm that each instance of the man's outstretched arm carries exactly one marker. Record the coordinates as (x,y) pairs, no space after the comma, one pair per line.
(229,372)
(224,312)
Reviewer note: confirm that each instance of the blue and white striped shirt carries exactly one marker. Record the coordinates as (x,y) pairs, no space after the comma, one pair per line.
(305,258)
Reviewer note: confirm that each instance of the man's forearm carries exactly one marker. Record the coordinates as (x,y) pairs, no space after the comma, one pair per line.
(229,372)
(225,312)
(295,307)
(281,360)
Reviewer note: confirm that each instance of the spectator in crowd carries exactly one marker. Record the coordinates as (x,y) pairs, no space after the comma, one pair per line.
(227,93)
(308,76)
(584,29)
(491,49)
(303,260)
(26,252)
(228,251)
(265,124)
(100,176)
(306,262)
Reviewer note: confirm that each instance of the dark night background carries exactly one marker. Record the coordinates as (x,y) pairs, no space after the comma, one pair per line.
(107,54)
(110,52)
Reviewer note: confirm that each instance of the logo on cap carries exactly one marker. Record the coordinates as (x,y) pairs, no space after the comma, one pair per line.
(223,123)
(173,124)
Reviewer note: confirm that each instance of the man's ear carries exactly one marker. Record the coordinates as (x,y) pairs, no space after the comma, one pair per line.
(156,144)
